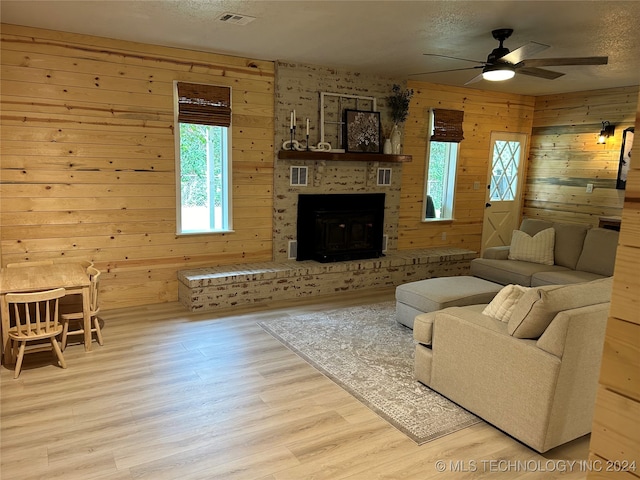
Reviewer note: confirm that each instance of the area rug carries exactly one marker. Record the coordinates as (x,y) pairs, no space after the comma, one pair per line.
(365,351)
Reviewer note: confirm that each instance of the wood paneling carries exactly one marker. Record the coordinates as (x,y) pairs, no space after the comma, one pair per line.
(88,159)
(616,429)
(621,358)
(564,156)
(484,112)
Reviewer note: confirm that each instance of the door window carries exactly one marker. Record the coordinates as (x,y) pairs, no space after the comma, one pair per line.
(504,173)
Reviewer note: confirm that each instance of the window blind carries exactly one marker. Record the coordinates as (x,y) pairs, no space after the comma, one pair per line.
(204,104)
(447,125)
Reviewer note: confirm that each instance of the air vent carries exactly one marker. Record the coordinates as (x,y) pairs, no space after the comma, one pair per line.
(298,176)
(384,176)
(236,18)
(293,250)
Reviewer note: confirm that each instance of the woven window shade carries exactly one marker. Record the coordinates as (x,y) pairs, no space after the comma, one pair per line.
(447,125)
(204,104)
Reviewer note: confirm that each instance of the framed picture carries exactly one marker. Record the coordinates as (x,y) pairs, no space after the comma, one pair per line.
(361,131)
(625,158)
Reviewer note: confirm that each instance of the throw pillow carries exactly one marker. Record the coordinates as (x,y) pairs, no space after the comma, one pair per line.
(536,249)
(568,243)
(537,307)
(502,305)
(599,251)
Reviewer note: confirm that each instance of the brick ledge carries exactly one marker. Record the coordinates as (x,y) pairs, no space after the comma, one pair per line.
(203,289)
(201,277)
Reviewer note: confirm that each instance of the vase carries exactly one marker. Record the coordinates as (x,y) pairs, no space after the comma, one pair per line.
(387,148)
(396,140)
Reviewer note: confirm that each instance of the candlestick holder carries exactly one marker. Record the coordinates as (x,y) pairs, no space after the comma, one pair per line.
(307,142)
(293,135)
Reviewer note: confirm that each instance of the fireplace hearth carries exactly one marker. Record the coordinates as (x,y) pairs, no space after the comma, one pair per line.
(340,227)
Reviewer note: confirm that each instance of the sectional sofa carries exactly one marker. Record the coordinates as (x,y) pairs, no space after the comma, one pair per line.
(534,374)
(528,361)
(580,253)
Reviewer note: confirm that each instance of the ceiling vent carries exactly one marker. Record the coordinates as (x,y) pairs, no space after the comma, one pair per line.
(236,18)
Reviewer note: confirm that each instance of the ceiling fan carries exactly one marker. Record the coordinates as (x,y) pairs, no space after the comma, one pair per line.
(501,64)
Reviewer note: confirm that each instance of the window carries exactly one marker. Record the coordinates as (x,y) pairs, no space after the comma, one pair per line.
(203,162)
(441,178)
(332,106)
(442,159)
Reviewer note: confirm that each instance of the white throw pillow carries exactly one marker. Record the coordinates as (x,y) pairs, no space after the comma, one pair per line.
(502,305)
(536,249)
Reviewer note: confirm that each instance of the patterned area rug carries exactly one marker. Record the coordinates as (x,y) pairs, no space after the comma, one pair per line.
(365,351)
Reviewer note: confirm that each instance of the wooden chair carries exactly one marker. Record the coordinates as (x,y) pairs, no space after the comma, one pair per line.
(73,298)
(72,315)
(84,263)
(36,319)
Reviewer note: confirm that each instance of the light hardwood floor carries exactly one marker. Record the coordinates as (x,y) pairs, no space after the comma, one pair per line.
(177,395)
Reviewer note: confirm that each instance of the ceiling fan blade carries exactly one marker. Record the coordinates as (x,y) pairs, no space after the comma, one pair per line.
(475,79)
(454,58)
(540,73)
(445,71)
(551,62)
(525,51)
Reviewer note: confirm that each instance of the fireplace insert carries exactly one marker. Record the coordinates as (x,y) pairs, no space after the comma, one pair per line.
(338,227)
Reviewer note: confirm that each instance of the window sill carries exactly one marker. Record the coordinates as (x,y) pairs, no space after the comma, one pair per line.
(217,232)
(438,220)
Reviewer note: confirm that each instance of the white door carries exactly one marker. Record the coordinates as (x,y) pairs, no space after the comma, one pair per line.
(502,203)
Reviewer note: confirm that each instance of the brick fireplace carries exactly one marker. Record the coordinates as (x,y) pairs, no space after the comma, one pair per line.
(297,87)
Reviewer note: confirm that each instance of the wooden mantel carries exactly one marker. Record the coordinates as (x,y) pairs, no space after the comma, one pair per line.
(335,156)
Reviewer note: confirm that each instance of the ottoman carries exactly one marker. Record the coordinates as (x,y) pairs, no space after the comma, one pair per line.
(434,294)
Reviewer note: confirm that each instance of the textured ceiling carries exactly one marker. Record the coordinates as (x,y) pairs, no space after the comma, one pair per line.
(386,38)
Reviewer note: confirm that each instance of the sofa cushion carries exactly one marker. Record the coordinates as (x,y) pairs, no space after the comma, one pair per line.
(568,244)
(535,249)
(500,252)
(599,251)
(509,271)
(532,226)
(538,306)
(563,277)
(502,305)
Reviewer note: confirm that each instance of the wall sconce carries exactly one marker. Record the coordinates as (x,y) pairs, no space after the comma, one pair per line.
(606,132)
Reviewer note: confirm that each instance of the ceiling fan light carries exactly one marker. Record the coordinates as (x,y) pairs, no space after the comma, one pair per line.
(498,73)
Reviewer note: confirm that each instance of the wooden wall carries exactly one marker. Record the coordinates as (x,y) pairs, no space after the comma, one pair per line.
(564,156)
(88,159)
(616,424)
(484,112)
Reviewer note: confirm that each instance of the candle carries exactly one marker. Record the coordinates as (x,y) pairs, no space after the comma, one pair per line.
(291,121)
(307,126)
(294,119)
